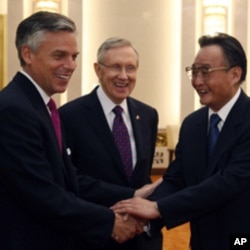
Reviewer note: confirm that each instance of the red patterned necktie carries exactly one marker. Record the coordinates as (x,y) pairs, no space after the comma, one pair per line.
(56,121)
(121,136)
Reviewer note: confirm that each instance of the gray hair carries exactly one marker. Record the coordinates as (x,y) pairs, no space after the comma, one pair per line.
(113,42)
(31,30)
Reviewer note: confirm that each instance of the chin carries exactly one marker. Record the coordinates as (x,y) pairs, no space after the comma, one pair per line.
(61,90)
(204,101)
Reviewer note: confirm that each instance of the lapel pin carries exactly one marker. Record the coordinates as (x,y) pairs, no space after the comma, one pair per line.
(137,117)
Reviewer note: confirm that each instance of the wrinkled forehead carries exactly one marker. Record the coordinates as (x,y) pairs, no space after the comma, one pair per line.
(121,54)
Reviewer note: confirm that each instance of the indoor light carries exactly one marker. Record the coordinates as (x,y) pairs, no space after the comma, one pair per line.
(47,5)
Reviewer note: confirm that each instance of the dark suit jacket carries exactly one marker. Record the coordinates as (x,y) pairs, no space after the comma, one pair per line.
(213,195)
(94,152)
(40,196)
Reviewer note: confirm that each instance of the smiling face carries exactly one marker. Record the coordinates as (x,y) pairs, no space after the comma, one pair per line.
(221,85)
(117,73)
(53,64)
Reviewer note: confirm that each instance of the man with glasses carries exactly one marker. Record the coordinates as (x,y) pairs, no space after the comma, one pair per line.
(96,145)
(208,183)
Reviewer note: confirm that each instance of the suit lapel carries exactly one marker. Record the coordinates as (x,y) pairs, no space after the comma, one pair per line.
(95,116)
(199,136)
(227,134)
(38,104)
(136,122)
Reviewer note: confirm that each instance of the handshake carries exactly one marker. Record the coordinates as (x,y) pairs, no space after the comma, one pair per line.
(132,215)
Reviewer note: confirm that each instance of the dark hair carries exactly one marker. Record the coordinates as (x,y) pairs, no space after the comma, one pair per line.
(232,50)
(31,30)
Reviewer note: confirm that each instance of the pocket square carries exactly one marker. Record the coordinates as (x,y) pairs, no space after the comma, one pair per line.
(68,151)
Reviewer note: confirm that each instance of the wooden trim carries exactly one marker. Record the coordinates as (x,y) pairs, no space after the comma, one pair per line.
(158,171)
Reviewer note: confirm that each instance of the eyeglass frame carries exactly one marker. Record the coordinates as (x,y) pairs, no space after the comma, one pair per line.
(117,68)
(191,76)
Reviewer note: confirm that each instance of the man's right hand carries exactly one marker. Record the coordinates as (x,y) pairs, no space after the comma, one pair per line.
(126,227)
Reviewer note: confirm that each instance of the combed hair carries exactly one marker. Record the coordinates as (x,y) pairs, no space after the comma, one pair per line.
(232,50)
(31,30)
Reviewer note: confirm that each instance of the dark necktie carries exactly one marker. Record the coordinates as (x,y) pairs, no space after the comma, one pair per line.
(213,132)
(121,136)
(56,121)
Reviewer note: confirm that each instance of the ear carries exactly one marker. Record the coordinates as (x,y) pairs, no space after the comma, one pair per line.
(26,54)
(236,74)
(98,70)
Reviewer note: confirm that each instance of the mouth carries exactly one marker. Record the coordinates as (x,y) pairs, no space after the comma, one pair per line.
(202,91)
(64,77)
(121,85)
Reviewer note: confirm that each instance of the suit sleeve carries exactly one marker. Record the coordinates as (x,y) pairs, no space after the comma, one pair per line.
(226,186)
(155,121)
(31,178)
(102,193)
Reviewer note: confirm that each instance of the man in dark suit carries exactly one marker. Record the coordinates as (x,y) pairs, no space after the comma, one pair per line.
(88,122)
(210,189)
(41,197)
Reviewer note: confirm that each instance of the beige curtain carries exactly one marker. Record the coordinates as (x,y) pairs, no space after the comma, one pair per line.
(3,72)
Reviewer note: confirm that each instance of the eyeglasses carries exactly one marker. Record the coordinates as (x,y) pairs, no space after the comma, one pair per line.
(205,71)
(117,68)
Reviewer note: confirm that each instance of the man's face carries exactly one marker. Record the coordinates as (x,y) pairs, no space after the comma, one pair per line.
(117,74)
(54,63)
(219,86)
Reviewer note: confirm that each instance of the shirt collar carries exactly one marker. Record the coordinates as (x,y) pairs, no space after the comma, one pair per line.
(43,94)
(107,104)
(224,111)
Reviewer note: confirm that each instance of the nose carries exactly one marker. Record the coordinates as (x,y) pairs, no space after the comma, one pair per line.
(197,79)
(70,63)
(123,73)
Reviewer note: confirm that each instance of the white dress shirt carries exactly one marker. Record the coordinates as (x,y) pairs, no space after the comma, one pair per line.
(224,111)
(107,106)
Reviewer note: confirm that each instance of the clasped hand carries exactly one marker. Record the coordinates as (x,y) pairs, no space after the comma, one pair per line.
(132,215)
(139,207)
(126,227)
